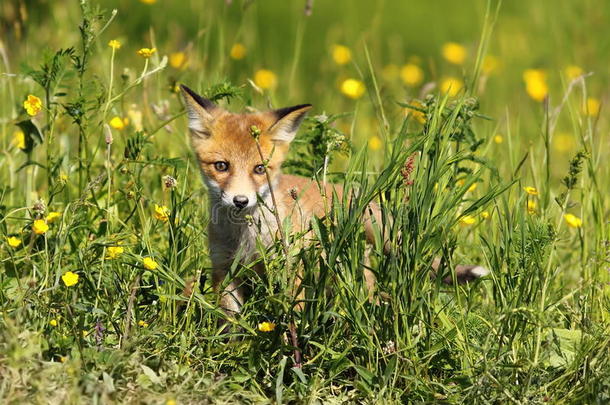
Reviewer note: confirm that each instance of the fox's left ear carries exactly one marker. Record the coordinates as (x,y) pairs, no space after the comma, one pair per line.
(288,121)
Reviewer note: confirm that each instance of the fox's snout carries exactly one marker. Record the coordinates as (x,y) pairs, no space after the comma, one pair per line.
(240,201)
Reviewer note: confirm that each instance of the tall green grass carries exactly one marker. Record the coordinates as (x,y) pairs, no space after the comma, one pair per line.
(535,330)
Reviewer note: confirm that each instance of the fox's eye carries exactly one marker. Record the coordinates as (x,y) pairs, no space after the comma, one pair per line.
(221,166)
(259,169)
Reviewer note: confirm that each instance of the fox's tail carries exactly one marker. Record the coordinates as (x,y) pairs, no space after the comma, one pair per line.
(463,272)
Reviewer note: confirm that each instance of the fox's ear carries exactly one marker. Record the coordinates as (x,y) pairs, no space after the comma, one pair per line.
(201,112)
(288,121)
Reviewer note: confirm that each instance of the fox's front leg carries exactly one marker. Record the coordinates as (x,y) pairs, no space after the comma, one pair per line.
(231,295)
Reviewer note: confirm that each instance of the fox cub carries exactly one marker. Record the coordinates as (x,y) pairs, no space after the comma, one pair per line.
(240,171)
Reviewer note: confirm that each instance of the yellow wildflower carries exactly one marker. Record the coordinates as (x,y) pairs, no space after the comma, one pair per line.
(53,216)
(171,402)
(32,105)
(472,187)
(63,178)
(70,278)
(490,64)
(162,213)
(573,71)
(238,51)
(530,190)
(454,53)
(375,143)
(535,84)
(573,221)
(563,142)
(451,86)
(498,139)
(85,333)
(19,139)
(591,107)
(411,74)
(40,227)
(341,54)
(265,79)
(531,206)
(147,52)
(266,326)
(467,220)
(143,324)
(63,359)
(149,263)
(13,241)
(484,214)
(53,322)
(177,60)
(118,123)
(135,118)
(114,44)
(353,88)
(148,1)
(114,252)
(419,116)
(390,72)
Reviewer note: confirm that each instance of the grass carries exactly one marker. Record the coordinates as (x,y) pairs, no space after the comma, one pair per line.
(451,184)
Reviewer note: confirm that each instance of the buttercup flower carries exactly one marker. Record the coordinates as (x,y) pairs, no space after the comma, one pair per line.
(484,214)
(530,190)
(374,143)
(411,74)
(265,79)
(148,1)
(498,139)
(142,324)
(467,220)
(114,44)
(13,241)
(419,116)
(451,86)
(454,53)
(592,106)
(490,64)
(19,139)
(353,88)
(118,123)
(266,326)
(70,278)
(535,84)
(177,60)
(563,142)
(390,72)
(53,216)
(238,51)
(114,251)
(573,71)
(149,263)
(40,227)
(531,206)
(53,322)
(147,52)
(341,54)
(162,213)
(573,221)
(32,105)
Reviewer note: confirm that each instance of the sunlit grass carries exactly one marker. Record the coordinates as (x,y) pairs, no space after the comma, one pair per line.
(479,147)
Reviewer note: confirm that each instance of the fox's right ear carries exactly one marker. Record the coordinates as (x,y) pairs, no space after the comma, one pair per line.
(201,112)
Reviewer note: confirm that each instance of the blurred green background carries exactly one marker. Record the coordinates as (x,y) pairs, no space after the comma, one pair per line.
(560,39)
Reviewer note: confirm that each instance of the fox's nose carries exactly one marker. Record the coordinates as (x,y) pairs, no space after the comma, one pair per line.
(240,201)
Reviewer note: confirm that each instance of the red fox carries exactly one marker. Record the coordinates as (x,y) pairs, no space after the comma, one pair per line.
(240,170)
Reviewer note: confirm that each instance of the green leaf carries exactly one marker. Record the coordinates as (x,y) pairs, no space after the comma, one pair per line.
(31,133)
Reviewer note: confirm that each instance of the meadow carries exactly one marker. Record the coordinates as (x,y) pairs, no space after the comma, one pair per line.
(480,128)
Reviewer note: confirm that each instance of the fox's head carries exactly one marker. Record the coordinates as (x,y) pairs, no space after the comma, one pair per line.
(228,153)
